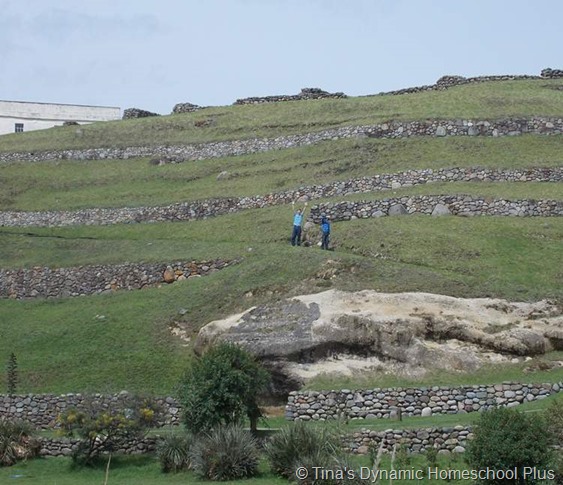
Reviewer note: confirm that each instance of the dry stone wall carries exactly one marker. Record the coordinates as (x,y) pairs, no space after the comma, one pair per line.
(411,401)
(391,129)
(445,440)
(448,81)
(438,205)
(65,446)
(202,209)
(306,93)
(130,113)
(46,282)
(42,410)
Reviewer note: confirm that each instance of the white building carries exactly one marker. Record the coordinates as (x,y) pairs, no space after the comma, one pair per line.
(19,116)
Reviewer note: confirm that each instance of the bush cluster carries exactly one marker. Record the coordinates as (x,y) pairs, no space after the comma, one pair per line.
(17,442)
(106,430)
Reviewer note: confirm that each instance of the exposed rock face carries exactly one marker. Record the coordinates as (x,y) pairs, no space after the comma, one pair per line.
(408,333)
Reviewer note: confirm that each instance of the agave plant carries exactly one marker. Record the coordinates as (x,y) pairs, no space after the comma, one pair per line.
(174,452)
(225,453)
(16,442)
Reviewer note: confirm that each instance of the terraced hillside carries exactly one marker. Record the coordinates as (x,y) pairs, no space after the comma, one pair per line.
(208,194)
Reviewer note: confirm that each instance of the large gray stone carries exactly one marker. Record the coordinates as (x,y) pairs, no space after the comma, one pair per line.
(397,210)
(441,210)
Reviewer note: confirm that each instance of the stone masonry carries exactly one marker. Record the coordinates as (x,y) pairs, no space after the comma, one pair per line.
(390,129)
(411,401)
(46,282)
(202,209)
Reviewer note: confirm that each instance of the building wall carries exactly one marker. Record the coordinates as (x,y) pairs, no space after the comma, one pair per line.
(38,116)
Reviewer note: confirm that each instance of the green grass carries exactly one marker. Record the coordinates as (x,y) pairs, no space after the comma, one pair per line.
(66,184)
(483,100)
(132,470)
(124,470)
(62,347)
(491,374)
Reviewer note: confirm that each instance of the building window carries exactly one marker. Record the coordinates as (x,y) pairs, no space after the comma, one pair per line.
(19,127)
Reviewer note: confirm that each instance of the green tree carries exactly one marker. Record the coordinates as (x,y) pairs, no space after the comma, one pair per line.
(505,439)
(222,387)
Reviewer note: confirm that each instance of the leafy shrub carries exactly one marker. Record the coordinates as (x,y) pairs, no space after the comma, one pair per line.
(554,417)
(225,453)
(505,438)
(431,457)
(222,388)
(17,442)
(107,429)
(12,374)
(174,453)
(301,445)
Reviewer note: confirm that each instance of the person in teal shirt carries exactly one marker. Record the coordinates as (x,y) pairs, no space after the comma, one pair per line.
(325,229)
(297,222)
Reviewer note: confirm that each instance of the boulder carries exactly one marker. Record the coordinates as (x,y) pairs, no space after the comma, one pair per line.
(336,331)
(397,210)
(441,210)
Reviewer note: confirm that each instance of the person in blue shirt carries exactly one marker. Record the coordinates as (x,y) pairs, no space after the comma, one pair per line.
(325,231)
(297,222)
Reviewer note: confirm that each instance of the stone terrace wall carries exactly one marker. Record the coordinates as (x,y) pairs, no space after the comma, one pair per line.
(86,280)
(445,440)
(306,93)
(448,81)
(423,401)
(65,446)
(438,205)
(391,129)
(130,113)
(42,410)
(212,207)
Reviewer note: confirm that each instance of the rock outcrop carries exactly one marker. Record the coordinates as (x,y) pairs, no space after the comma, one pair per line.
(406,333)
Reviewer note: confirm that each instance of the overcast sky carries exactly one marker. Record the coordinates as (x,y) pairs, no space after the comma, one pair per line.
(154,54)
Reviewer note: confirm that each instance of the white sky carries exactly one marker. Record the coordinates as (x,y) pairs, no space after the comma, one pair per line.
(153,54)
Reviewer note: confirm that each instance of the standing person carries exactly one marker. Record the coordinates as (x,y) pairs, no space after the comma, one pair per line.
(297,221)
(325,229)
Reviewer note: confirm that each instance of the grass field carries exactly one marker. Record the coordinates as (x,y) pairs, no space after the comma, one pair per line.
(66,184)
(484,100)
(60,345)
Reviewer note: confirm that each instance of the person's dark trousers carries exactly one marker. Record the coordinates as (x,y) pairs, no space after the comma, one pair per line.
(324,243)
(296,236)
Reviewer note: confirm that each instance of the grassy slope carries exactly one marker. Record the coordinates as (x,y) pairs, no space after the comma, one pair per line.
(62,347)
(69,184)
(484,100)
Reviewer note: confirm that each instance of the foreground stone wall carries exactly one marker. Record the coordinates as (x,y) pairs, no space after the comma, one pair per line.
(213,207)
(445,440)
(391,129)
(42,410)
(65,446)
(46,282)
(411,401)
